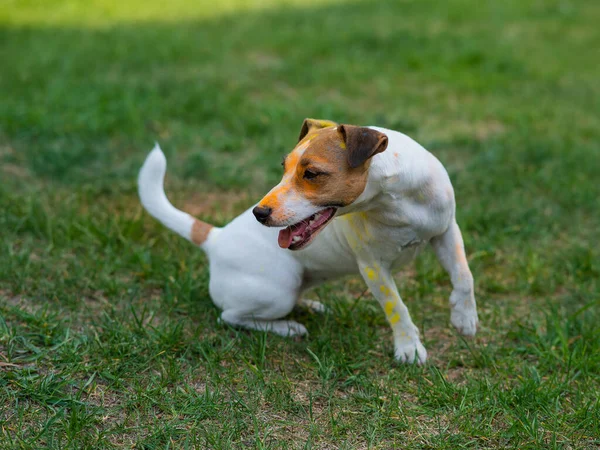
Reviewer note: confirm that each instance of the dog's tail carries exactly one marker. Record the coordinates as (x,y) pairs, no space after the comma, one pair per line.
(152,195)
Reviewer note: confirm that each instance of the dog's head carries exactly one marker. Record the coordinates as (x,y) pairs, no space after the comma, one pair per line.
(327,170)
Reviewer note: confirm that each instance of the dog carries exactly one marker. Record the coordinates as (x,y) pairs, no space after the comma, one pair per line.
(352,200)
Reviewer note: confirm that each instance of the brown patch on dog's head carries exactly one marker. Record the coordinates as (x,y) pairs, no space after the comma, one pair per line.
(328,168)
(333,169)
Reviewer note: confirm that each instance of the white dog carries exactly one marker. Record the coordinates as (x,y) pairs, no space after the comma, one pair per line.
(352,200)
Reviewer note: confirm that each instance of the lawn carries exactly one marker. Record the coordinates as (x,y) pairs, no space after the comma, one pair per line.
(108,337)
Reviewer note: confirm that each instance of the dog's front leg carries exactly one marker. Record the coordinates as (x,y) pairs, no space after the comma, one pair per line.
(407,345)
(450,252)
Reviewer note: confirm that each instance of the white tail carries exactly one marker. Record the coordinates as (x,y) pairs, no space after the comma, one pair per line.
(152,195)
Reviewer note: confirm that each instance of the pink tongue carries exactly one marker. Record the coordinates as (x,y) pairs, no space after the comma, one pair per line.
(287,234)
(285,237)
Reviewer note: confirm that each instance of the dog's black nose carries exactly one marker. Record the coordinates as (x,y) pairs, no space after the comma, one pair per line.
(261,213)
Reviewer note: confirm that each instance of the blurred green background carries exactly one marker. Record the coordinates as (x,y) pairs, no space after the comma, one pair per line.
(107,335)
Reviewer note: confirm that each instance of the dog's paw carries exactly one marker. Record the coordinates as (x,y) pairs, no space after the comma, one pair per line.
(465,321)
(288,328)
(411,351)
(313,306)
(464,312)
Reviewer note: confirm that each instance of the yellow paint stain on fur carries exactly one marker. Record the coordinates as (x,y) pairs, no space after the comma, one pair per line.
(326,123)
(394,319)
(350,236)
(389,308)
(358,226)
(355,234)
(371,274)
(343,145)
(364,218)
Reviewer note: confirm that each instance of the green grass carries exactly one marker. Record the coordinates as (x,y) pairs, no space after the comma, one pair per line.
(108,338)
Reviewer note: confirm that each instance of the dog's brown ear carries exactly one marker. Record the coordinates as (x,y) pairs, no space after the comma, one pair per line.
(362,143)
(314,124)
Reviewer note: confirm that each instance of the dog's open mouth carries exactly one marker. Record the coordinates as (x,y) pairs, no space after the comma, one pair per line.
(302,233)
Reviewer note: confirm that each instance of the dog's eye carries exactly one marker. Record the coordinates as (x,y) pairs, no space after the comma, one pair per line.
(309,174)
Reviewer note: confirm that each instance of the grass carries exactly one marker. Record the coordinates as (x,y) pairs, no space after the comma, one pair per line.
(108,338)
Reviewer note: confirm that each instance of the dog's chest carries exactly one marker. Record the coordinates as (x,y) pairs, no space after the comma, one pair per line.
(352,237)
(395,244)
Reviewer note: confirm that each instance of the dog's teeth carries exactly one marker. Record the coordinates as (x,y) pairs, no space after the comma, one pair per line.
(295,239)
(317,216)
(311,223)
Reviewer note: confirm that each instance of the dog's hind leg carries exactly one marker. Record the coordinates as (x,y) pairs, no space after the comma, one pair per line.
(255,301)
(280,327)
(450,252)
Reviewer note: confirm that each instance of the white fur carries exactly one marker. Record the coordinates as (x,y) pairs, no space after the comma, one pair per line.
(408,202)
(152,194)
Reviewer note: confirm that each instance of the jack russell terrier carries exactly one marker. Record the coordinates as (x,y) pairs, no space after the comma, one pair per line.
(352,200)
